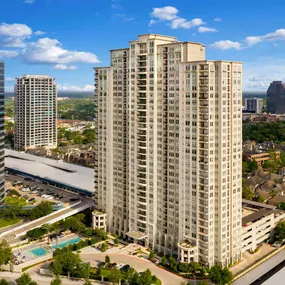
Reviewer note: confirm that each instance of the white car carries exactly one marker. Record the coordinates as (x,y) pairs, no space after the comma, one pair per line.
(120,265)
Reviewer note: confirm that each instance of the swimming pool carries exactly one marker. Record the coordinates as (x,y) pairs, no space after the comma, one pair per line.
(39,251)
(68,242)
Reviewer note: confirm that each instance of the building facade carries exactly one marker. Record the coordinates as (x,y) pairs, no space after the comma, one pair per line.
(254,105)
(2,97)
(169,147)
(276,98)
(35,112)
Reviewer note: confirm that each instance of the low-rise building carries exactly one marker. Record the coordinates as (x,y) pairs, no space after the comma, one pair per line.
(260,157)
(259,221)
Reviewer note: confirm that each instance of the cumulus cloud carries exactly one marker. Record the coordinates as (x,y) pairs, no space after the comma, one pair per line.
(170,15)
(165,13)
(15,30)
(278,35)
(217,20)
(39,33)
(30,1)
(69,87)
(14,35)
(64,67)
(183,23)
(227,44)
(8,53)
(50,51)
(206,30)
(10,79)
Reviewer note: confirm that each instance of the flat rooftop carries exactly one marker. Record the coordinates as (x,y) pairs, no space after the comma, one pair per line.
(71,175)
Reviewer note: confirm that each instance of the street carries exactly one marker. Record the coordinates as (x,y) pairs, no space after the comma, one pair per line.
(261,269)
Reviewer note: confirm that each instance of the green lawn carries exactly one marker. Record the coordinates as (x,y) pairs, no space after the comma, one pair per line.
(15,201)
(8,222)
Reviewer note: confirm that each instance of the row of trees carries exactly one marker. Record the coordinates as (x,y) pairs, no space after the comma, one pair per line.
(216,274)
(262,132)
(67,137)
(76,109)
(17,211)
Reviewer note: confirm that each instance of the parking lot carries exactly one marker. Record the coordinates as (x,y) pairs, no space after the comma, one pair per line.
(37,191)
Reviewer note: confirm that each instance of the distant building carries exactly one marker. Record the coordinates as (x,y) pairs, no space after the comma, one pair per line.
(254,105)
(259,157)
(276,98)
(2,97)
(62,98)
(35,112)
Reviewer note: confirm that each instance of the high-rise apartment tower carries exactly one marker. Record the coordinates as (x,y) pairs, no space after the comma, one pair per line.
(35,112)
(169,139)
(2,97)
(276,98)
(254,105)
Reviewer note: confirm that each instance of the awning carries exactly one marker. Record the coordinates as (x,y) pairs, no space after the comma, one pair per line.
(136,235)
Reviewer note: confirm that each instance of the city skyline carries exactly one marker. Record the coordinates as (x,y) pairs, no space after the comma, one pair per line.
(67,41)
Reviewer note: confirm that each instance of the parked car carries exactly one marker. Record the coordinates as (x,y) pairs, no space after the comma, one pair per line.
(276,244)
(28,179)
(112,265)
(120,265)
(125,268)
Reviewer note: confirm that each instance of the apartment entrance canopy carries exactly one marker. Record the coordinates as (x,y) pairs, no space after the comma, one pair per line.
(136,235)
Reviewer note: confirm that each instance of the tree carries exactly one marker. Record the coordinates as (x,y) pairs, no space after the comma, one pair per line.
(130,274)
(146,277)
(103,247)
(163,261)
(279,232)
(260,199)
(36,233)
(247,193)
(43,209)
(56,281)
(115,276)
(25,279)
(116,242)
(4,282)
(5,252)
(173,263)
(204,282)
(151,255)
(219,275)
(87,282)
(107,259)
(56,268)
(281,206)
(273,193)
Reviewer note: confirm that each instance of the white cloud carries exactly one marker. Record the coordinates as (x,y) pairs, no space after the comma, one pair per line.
(217,20)
(165,13)
(64,67)
(10,79)
(30,1)
(170,15)
(275,45)
(39,33)
(206,30)
(227,44)
(258,74)
(274,36)
(183,23)
(15,30)
(50,51)
(124,17)
(8,53)
(69,87)
(13,42)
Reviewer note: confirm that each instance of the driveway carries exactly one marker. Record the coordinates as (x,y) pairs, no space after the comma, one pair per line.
(139,264)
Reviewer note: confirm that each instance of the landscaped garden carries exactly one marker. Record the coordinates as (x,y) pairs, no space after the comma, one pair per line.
(9,222)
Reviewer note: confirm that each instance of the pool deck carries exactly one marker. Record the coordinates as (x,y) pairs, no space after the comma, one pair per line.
(25,254)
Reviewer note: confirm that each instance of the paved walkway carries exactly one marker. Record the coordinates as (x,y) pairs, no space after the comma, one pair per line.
(261,269)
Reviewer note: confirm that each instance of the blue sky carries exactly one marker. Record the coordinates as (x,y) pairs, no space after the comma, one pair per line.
(66,38)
